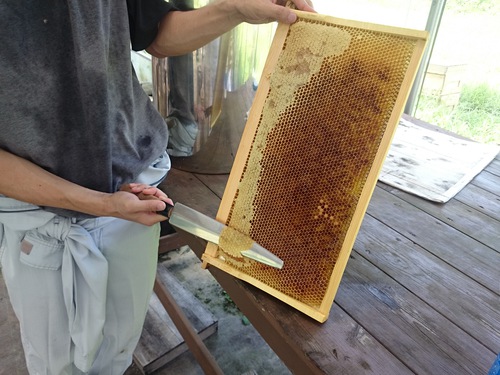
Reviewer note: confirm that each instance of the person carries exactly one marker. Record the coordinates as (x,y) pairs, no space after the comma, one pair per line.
(81,147)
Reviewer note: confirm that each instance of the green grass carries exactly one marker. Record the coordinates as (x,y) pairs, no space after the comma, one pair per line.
(477,115)
(467,33)
(474,6)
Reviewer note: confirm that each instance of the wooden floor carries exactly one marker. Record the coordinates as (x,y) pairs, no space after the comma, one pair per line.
(421,291)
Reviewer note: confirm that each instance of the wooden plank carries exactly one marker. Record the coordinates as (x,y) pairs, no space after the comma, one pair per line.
(481,200)
(437,237)
(423,339)
(469,305)
(457,215)
(306,342)
(305,334)
(199,316)
(193,340)
(184,187)
(338,346)
(170,242)
(494,166)
(487,181)
(161,341)
(216,183)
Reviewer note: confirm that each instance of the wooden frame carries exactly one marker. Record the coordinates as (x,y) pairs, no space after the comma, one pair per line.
(273,101)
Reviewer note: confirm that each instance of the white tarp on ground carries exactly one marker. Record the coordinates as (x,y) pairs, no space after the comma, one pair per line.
(431,164)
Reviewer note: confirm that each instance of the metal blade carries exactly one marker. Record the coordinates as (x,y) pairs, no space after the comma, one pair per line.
(262,255)
(202,226)
(194,222)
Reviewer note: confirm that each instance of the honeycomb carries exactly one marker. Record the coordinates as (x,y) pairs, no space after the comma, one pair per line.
(332,92)
(232,243)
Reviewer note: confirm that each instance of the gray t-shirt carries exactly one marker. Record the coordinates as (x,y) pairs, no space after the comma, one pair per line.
(69,99)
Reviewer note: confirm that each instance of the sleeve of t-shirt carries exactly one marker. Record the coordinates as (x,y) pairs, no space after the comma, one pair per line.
(144,17)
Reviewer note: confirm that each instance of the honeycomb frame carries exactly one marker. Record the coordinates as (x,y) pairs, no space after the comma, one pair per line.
(320,126)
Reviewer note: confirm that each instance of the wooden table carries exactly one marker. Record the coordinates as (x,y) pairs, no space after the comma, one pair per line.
(420,294)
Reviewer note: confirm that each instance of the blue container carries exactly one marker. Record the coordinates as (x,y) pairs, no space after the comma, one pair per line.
(495,369)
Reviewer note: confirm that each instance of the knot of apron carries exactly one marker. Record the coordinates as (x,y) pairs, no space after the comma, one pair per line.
(84,274)
(58,228)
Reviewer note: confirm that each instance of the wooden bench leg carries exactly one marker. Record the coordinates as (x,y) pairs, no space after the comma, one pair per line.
(193,341)
(170,242)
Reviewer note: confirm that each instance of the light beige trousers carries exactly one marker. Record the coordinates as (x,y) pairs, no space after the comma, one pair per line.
(80,309)
(80,288)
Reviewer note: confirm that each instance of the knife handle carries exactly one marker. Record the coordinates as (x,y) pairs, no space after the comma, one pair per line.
(166,211)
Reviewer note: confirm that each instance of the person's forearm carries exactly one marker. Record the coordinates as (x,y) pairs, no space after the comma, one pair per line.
(183,32)
(25,181)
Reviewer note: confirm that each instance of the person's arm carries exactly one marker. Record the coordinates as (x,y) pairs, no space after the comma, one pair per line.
(183,32)
(25,181)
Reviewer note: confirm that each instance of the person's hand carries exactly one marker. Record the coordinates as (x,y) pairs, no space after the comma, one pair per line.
(183,32)
(139,203)
(145,192)
(263,11)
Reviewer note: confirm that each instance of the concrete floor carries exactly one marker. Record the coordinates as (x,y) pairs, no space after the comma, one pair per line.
(236,346)
(12,358)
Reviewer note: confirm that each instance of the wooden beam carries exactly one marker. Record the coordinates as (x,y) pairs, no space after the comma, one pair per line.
(194,342)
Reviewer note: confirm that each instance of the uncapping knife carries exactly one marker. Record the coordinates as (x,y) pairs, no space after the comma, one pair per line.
(200,225)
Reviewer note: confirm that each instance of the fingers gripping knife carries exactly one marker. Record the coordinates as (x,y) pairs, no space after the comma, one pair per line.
(202,226)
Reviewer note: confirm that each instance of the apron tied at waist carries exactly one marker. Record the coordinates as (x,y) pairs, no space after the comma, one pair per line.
(84,270)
